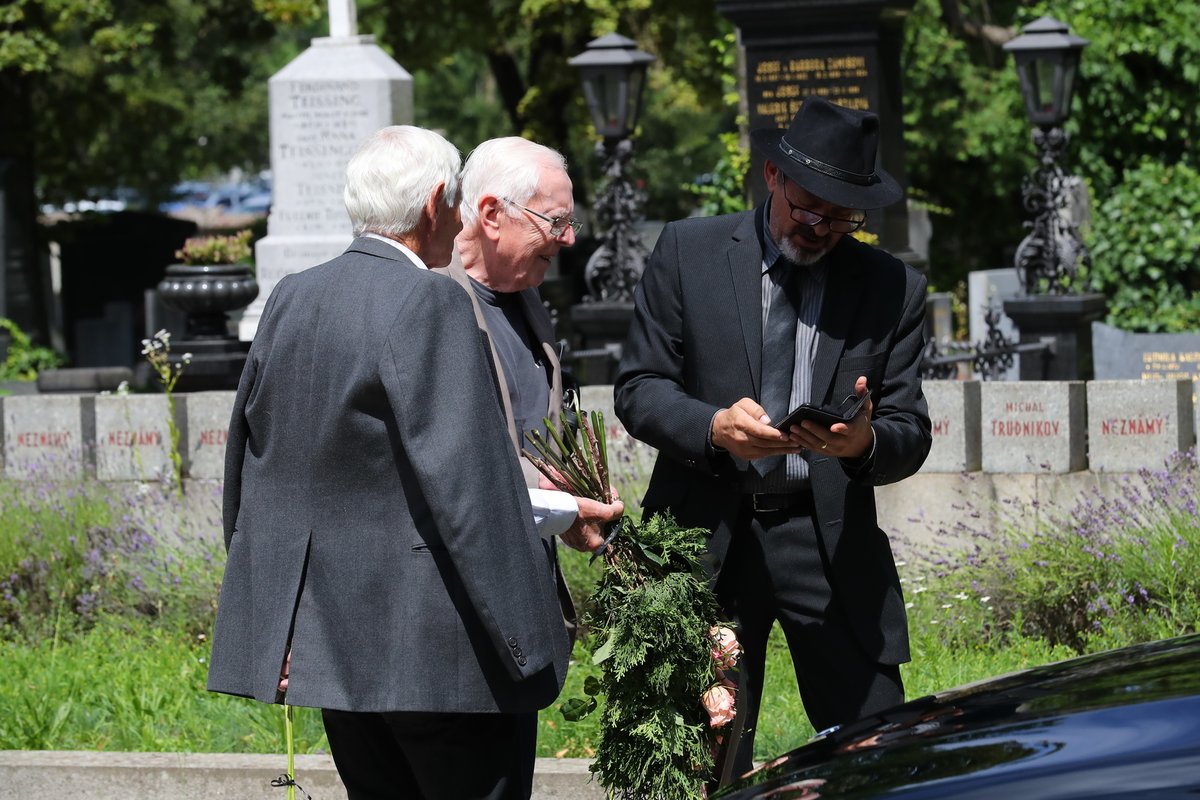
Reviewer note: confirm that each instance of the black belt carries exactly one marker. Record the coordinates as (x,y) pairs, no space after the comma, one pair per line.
(796,503)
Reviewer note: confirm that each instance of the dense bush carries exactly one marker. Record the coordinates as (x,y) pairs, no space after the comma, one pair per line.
(25,360)
(1118,568)
(1146,249)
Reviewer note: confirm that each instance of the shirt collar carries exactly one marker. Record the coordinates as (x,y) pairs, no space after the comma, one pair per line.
(413,257)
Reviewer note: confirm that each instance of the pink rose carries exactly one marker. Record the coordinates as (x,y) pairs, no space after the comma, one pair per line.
(718,702)
(725,647)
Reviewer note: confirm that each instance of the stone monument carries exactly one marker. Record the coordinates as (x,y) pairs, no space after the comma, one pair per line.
(323,104)
(847,51)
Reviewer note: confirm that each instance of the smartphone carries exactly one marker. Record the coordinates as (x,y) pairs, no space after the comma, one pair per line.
(825,416)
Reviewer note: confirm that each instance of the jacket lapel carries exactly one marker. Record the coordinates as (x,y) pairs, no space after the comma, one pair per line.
(745,271)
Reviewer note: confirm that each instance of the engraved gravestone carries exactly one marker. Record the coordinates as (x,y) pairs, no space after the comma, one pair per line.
(954,419)
(207,433)
(323,104)
(133,438)
(1147,356)
(847,51)
(44,436)
(1033,426)
(1135,424)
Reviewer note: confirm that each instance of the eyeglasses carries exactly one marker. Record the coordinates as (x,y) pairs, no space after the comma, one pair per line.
(558,225)
(813,219)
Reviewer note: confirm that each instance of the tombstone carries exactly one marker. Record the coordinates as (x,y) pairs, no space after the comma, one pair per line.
(323,105)
(1136,424)
(1033,426)
(133,438)
(992,287)
(847,51)
(47,438)
(954,416)
(207,431)
(1147,356)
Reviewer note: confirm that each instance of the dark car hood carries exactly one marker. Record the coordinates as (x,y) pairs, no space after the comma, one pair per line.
(1125,722)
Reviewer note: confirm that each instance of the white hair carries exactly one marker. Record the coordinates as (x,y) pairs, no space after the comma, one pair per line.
(392,175)
(506,167)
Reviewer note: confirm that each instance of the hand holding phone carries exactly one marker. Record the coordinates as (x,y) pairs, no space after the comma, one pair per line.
(845,412)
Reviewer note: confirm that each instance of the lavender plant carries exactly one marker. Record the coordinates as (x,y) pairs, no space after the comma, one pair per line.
(72,554)
(1121,566)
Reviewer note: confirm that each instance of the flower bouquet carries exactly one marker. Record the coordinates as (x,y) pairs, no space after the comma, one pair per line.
(654,631)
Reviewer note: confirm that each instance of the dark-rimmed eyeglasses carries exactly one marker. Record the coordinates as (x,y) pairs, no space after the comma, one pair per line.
(558,225)
(812,219)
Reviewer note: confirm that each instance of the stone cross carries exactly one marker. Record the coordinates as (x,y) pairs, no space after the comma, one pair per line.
(343,18)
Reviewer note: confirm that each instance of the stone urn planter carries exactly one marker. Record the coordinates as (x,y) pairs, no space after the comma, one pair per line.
(206,293)
(209,284)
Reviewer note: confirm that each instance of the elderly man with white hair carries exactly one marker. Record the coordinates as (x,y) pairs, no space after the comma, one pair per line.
(377,522)
(517,214)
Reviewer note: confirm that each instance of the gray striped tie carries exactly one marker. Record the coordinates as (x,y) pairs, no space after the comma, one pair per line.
(778,354)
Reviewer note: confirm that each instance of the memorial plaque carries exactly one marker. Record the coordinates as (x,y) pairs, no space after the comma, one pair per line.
(44,437)
(1033,426)
(323,105)
(207,433)
(1147,356)
(778,79)
(1136,424)
(847,52)
(1144,356)
(133,438)
(954,416)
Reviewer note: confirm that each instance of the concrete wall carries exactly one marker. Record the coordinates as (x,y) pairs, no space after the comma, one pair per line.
(1012,447)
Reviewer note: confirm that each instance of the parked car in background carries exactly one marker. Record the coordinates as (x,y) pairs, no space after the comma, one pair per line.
(1124,723)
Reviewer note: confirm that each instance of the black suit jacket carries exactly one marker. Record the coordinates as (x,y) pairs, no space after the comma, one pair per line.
(695,346)
(374,510)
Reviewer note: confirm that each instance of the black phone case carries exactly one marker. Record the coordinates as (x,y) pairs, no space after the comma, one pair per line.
(824,416)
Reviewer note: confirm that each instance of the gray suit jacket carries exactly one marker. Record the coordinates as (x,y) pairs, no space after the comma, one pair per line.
(374,512)
(695,346)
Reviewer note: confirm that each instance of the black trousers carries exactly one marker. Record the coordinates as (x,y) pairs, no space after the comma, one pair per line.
(776,569)
(424,756)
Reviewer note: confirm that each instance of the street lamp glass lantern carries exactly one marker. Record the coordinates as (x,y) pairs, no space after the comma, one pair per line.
(1047,56)
(613,72)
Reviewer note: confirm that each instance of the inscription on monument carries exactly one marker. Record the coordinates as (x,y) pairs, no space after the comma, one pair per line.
(319,126)
(1170,365)
(213,437)
(779,80)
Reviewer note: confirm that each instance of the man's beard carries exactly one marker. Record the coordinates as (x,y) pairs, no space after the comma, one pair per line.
(805,258)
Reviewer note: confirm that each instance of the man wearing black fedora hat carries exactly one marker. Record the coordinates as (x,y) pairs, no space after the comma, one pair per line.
(742,317)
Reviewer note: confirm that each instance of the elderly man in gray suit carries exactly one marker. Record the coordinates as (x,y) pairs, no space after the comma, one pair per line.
(517,214)
(382,552)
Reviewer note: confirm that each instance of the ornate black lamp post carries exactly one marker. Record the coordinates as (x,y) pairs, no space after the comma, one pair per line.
(1048,258)
(613,72)
(1047,56)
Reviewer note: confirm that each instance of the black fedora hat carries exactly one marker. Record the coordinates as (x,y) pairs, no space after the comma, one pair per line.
(830,151)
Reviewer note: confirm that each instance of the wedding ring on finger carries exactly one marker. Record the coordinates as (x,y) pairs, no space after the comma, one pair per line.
(824,445)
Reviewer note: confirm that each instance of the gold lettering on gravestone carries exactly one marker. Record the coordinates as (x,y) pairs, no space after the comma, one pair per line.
(1170,365)
(779,85)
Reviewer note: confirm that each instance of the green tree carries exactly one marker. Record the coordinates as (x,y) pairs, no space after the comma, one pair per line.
(136,93)
(513,55)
